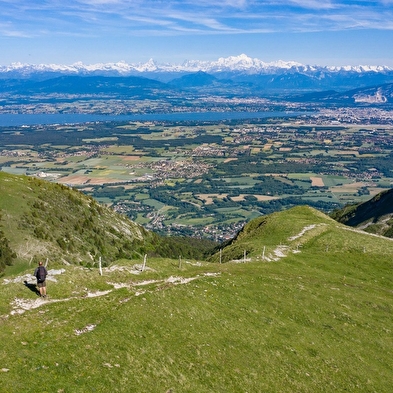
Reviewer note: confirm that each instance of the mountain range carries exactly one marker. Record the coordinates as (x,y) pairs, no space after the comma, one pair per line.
(238,69)
(241,63)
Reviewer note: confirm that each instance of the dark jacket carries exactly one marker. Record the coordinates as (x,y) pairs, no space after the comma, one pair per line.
(37,274)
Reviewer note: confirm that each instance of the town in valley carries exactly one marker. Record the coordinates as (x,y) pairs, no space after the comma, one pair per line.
(208,178)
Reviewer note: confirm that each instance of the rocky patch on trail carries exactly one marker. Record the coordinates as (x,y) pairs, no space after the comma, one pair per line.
(30,279)
(22,305)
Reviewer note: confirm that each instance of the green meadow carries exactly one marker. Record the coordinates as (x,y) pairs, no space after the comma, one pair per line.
(313,315)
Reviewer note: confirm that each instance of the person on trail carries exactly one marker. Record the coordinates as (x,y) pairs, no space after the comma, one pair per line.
(40,273)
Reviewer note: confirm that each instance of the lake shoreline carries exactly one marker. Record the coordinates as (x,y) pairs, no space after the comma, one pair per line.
(19,120)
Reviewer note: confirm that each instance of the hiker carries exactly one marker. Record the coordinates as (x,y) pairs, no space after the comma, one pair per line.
(40,273)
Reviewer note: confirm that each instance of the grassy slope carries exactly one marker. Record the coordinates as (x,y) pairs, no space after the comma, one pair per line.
(45,220)
(373,216)
(318,320)
(42,220)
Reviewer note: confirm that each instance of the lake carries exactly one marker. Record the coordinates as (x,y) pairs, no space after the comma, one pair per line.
(7,120)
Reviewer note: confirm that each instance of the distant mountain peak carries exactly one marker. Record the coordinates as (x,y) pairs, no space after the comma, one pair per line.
(239,63)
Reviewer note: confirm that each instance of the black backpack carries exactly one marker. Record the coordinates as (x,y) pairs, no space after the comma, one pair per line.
(41,274)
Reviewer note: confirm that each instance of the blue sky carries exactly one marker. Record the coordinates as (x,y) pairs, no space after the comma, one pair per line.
(321,32)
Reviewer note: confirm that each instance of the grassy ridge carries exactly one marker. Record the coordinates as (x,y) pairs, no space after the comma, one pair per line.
(318,320)
(291,230)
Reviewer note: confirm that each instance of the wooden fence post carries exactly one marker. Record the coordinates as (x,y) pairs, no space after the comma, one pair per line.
(100,266)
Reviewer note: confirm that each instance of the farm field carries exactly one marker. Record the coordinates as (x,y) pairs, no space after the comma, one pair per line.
(206,179)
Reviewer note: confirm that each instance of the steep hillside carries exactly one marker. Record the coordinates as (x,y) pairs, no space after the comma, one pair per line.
(308,310)
(41,220)
(45,220)
(374,216)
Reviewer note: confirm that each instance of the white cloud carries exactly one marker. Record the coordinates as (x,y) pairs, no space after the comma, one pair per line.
(314,4)
(14,33)
(184,16)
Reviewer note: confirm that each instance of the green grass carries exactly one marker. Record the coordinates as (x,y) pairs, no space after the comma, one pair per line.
(242,180)
(194,221)
(154,203)
(318,320)
(236,331)
(141,219)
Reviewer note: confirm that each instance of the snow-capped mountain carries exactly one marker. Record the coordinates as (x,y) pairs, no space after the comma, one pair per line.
(238,63)
(241,71)
(241,63)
